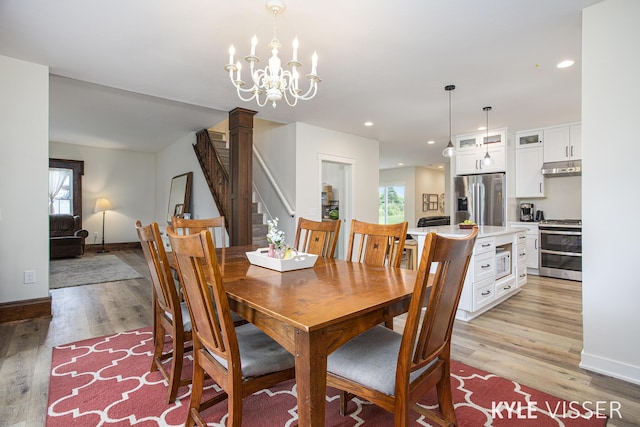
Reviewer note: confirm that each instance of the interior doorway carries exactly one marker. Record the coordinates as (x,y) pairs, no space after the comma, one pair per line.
(336,196)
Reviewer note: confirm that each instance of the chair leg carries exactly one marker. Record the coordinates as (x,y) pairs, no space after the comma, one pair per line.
(176,367)
(158,342)
(344,401)
(445,401)
(197,384)
(235,409)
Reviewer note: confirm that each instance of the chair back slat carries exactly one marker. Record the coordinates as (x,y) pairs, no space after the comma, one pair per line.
(319,238)
(428,339)
(165,290)
(215,225)
(377,244)
(204,292)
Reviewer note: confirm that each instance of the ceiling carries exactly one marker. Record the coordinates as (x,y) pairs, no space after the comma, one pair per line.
(141,74)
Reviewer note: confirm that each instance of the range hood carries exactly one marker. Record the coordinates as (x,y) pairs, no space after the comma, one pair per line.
(568,168)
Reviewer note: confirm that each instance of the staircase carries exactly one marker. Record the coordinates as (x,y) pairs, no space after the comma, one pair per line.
(213,156)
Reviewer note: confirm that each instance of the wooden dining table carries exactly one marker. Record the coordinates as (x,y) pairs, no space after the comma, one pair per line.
(313,311)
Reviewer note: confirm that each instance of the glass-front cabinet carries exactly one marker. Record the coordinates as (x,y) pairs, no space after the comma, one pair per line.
(529,139)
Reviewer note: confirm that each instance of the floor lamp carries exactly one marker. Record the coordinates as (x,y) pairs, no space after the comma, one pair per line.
(102,205)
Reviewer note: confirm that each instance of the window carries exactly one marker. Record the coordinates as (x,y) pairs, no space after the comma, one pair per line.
(391,204)
(60,191)
(65,186)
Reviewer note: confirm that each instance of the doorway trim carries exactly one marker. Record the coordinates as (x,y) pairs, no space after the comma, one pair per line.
(347,211)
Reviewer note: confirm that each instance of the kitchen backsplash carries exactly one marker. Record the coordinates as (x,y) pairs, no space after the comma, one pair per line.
(563,198)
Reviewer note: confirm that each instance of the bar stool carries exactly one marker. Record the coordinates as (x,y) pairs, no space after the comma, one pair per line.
(411,246)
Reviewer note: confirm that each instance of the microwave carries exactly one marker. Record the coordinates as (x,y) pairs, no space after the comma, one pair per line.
(503,263)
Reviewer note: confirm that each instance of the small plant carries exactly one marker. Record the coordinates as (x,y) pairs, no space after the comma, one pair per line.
(275,236)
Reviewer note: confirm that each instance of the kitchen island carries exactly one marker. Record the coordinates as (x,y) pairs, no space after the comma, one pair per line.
(498,267)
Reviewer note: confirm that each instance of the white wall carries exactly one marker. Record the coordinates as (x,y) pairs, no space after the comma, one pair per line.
(563,198)
(176,159)
(610,111)
(24,164)
(126,178)
(312,144)
(276,144)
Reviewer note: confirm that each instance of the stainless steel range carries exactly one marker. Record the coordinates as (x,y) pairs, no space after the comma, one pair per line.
(561,248)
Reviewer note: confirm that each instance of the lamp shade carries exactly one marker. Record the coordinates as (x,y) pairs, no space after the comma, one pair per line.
(102,205)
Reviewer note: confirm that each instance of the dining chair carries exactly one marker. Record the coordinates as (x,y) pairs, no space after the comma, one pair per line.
(395,371)
(195,226)
(241,360)
(315,237)
(170,315)
(377,244)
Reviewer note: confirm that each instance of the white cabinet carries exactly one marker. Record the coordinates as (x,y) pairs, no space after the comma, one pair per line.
(472,148)
(562,143)
(529,178)
(529,139)
(532,246)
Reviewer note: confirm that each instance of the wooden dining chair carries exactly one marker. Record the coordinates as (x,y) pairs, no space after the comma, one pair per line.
(377,244)
(241,360)
(195,226)
(395,371)
(319,238)
(170,315)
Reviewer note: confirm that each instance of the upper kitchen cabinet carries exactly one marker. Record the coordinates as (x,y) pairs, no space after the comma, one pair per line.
(472,148)
(562,143)
(529,160)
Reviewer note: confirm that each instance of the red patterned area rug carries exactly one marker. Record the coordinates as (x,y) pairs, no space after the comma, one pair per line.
(106,381)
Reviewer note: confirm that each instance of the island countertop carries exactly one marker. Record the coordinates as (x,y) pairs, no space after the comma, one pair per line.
(455,231)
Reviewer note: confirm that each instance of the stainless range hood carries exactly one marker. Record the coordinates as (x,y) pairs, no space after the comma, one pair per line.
(568,168)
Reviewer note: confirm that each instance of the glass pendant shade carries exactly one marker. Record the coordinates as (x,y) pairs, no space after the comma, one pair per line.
(450,150)
(487,160)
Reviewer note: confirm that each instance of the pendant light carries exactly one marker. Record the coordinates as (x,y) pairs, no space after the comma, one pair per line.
(450,151)
(487,161)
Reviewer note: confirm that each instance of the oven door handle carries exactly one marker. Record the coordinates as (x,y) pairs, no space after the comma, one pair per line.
(546,251)
(563,233)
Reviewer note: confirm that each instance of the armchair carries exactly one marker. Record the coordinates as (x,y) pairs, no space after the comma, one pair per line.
(66,238)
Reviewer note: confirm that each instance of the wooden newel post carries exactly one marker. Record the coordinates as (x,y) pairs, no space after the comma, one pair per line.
(241,175)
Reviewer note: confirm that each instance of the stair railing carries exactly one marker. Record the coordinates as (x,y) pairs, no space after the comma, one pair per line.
(215,173)
(273,182)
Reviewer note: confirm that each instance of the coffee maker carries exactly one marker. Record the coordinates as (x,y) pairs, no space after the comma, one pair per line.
(527,212)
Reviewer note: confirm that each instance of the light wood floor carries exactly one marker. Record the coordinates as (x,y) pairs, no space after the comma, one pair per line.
(534,338)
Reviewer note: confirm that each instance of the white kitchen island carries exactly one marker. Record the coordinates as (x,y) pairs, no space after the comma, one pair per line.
(498,267)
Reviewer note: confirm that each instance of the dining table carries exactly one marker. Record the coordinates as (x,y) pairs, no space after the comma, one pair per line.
(313,311)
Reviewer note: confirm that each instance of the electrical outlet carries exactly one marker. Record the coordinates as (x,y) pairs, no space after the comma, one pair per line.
(29,276)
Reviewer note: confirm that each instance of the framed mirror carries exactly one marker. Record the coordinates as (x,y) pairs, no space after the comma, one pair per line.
(179,195)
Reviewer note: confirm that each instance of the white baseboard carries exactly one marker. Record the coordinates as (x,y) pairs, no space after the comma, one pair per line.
(612,368)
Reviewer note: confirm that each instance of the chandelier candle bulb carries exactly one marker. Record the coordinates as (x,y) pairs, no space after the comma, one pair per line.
(254,42)
(238,68)
(295,50)
(314,62)
(232,51)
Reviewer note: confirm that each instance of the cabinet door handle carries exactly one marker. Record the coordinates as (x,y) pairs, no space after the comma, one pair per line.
(485,293)
(566,151)
(485,266)
(535,244)
(522,237)
(506,288)
(540,188)
(572,151)
(523,254)
(523,275)
(484,245)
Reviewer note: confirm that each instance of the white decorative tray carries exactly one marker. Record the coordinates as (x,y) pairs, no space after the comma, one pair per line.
(297,262)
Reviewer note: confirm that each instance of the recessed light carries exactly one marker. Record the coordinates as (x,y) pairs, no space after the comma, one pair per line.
(400,164)
(431,142)
(566,63)
(440,166)
(368,123)
(482,128)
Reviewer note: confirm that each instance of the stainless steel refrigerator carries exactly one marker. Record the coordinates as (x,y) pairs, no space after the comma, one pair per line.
(480,198)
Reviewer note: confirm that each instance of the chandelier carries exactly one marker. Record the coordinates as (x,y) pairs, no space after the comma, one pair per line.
(273,83)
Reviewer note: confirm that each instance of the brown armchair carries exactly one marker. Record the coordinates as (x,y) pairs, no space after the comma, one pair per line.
(66,238)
